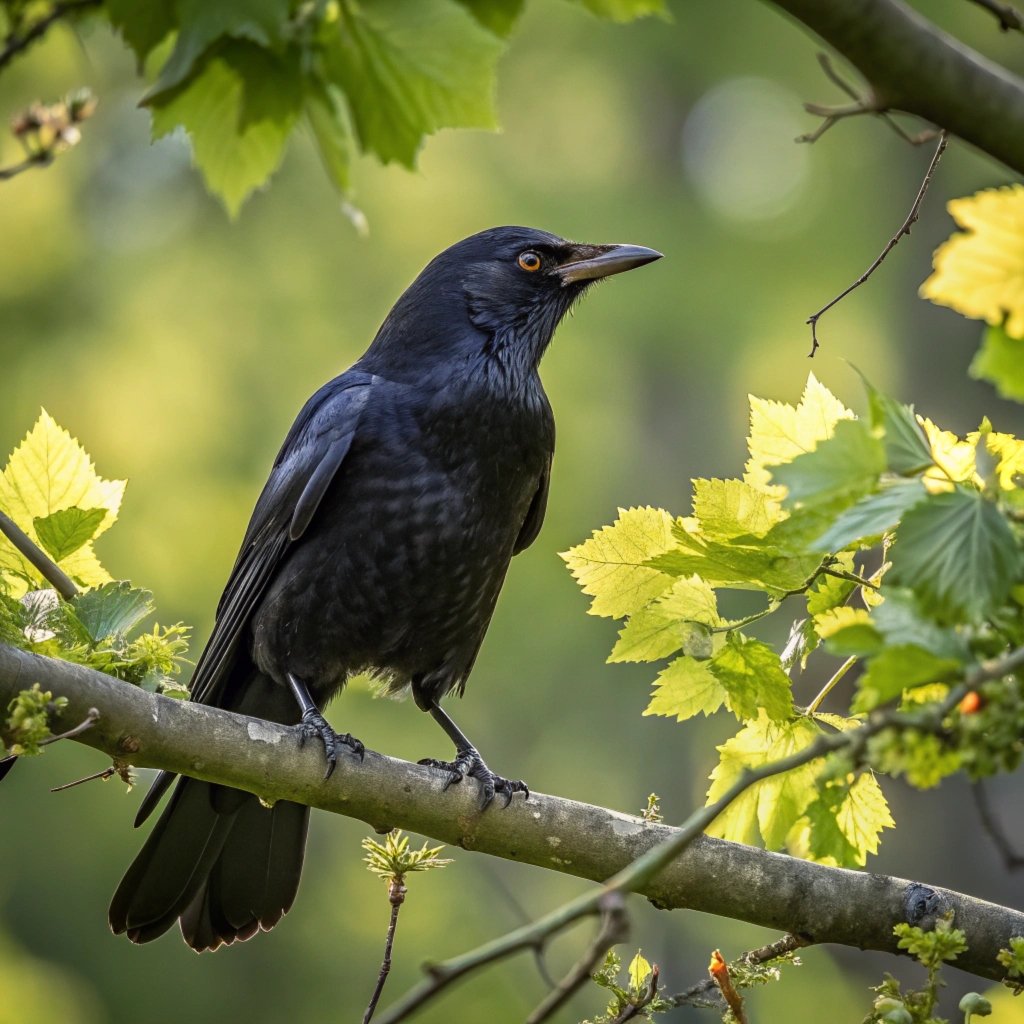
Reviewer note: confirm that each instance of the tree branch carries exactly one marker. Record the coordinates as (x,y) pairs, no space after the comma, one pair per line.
(15,43)
(773,890)
(1007,15)
(913,66)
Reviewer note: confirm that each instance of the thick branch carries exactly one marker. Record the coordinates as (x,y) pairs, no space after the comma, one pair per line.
(820,903)
(913,66)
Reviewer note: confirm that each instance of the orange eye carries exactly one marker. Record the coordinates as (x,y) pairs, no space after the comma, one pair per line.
(529,261)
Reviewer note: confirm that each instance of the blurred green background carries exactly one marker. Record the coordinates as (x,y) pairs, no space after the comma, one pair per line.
(178,346)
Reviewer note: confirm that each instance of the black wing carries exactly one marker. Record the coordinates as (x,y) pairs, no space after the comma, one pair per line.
(311,455)
(535,514)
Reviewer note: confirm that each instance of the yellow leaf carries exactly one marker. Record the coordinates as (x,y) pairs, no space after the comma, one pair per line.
(954,459)
(686,688)
(50,471)
(732,508)
(1009,453)
(610,566)
(980,272)
(780,432)
(639,972)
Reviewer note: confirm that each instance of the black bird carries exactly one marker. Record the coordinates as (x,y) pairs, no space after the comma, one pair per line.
(379,543)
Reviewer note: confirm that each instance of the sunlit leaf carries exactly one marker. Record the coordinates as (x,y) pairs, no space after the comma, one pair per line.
(751,674)
(63,533)
(726,509)
(846,821)
(685,688)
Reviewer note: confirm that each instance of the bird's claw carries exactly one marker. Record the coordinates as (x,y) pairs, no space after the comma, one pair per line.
(315,725)
(470,763)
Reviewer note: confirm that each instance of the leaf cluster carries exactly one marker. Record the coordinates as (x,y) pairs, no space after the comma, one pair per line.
(636,995)
(393,859)
(902,544)
(28,720)
(375,76)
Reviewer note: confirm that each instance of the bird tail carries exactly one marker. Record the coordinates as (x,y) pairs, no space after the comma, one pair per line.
(217,859)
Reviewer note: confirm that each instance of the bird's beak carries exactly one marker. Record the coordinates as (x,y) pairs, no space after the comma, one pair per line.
(590,262)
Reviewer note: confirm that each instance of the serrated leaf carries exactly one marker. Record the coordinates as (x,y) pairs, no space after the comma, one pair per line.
(1000,361)
(957,552)
(203,24)
(846,466)
(751,674)
(499,16)
(906,447)
(624,10)
(780,432)
(1008,451)
(238,110)
(64,532)
(410,68)
(846,821)
(726,509)
(953,458)
(49,472)
(112,609)
(768,809)
(898,668)
(685,688)
(639,972)
(142,25)
(872,516)
(848,632)
(677,620)
(742,563)
(612,567)
(898,618)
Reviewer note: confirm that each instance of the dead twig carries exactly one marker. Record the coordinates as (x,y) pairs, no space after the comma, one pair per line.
(905,228)
(396,896)
(1007,15)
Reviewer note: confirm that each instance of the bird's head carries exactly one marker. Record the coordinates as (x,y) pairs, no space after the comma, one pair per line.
(508,287)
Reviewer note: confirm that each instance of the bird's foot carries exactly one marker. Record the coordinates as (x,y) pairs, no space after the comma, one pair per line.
(469,763)
(315,725)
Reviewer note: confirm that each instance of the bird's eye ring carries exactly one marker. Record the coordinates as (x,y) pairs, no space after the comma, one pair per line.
(529,261)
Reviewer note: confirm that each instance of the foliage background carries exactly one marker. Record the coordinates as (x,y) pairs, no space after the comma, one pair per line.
(178,347)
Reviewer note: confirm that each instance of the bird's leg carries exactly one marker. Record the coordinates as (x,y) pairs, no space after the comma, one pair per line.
(314,724)
(469,762)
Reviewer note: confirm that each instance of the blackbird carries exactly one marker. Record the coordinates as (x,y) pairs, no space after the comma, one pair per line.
(379,543)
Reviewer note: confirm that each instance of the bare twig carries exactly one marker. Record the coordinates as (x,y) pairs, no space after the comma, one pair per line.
(994,829)
(1007,15)
(613,930)
(396,896)
(707,988)
(36,160)
(88,722)
(105,774)
(48,569)
(15,44)
(905,228)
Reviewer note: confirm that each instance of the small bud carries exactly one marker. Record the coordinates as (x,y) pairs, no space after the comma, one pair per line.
(976,1005)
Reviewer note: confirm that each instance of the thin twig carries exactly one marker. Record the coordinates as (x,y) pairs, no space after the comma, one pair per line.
(852,577)
(396,896)
(634,1009)
(1012,860)
(613,930)
(48,569)
(442,975)
(706,987)
(1007,15)
(915,212)
(830,685)
(87,723)
(36,160)
(105,774)
(14,44)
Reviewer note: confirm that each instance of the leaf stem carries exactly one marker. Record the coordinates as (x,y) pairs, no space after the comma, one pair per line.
(830,685)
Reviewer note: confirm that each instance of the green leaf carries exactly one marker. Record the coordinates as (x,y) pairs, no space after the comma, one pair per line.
(409,68)
(742,563)
(1000,361)
(142,25)
(332,129)
(499,16)
(907,449)
(846,821)
(751,674)
(238,110)
(49,472)
(611,566)
(898,668)
(846,465)
(727,509)
(624,10)
(112,609)
(898,618)
(685,688)
(831,591)
(203,23)
(957,552)
(679,619)
(63,533)
(872,515)
(768,809)
(848,632)
(780,432)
